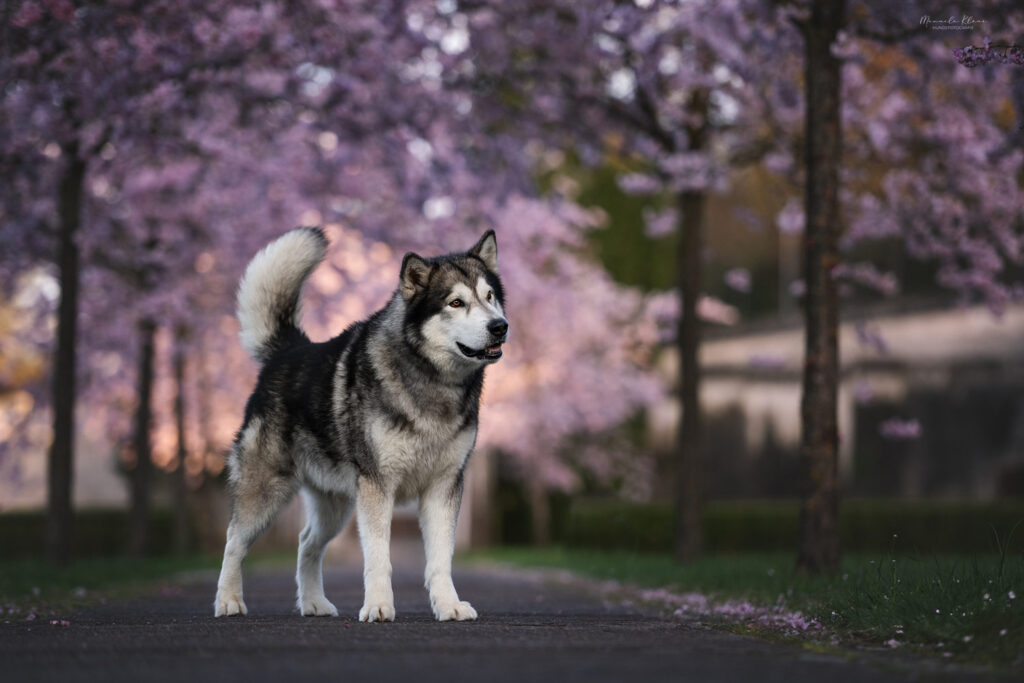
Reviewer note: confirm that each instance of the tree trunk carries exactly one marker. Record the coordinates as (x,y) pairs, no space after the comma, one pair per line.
(819,510)
(688,495)
(60,472)
(688,499)
(181,507)
(142,474)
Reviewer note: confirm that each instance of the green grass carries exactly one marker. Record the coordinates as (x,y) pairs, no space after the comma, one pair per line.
(935,604)
(36,587)
(32,586)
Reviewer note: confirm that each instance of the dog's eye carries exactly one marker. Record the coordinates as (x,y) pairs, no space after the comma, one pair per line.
(490,295)
(455,303)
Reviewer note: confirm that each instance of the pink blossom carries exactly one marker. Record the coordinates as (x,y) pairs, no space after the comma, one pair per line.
(791,219)
(867,275)
(28,14)
(639,183)
(767,361)
(697,604)
(871,337)
(660,223)
(61,10)
(897,429)
(738,279)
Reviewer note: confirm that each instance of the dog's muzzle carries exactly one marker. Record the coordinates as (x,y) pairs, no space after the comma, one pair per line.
(499,332)
(492,352)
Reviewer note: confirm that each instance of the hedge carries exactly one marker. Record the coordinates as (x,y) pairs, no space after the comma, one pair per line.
(877,526)
(95,533)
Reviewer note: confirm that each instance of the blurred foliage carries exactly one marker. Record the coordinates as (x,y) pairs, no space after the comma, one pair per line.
(95,533)
(900,526)
(21,363)
(514,514)
(514,519)
(623,246)
(741,233)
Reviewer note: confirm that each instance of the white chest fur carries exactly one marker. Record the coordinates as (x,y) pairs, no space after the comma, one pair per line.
(410,459)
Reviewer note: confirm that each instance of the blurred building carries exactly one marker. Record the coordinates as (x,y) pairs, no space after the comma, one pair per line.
(931,404)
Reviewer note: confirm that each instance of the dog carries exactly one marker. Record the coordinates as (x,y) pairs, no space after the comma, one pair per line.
(385,412)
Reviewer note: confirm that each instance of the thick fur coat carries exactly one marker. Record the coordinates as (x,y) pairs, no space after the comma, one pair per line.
(384,412)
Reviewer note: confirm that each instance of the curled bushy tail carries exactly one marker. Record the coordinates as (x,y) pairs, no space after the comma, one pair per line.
(269,310)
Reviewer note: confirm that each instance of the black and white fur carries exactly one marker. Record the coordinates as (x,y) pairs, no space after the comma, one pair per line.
(384,412)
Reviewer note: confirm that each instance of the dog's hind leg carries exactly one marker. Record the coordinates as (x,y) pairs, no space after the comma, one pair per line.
(256,504)
(260,492)
(325,516)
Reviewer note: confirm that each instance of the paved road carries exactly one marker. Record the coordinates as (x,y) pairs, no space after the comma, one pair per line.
(530,629)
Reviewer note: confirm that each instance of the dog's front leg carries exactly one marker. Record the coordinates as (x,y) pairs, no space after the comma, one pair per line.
(439,511)
(374,507)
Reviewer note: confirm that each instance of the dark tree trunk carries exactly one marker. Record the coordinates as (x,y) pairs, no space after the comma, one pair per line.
(181,507)
(688,495)
(688,499)
(60,472)
(819,509)
(143,472)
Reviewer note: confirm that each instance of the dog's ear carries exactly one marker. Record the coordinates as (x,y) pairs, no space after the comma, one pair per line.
(487,251)
(415,273)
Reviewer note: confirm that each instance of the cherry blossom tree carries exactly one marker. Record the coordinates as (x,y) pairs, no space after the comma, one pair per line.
(183,136)
(856,118)
(690,91)
(819,511)
(156,146)
(670,87)
(85,81)
(57,104)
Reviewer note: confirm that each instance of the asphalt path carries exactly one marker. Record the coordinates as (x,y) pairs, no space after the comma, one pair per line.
(532,627)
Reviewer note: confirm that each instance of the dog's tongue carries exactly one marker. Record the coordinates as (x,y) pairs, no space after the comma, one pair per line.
(493,349)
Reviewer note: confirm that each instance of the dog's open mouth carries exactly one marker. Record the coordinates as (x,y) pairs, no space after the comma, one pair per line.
(492,352)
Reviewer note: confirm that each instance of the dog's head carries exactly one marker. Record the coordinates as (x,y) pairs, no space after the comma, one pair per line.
(455,305)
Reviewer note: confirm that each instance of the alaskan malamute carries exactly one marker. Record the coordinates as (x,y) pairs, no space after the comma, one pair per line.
(385,411)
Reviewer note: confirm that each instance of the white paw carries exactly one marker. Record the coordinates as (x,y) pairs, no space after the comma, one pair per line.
(228,605)
(455,611)
(317,606)
(377,612)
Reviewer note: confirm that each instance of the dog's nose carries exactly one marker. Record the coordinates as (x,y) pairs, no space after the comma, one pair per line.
(498,327)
